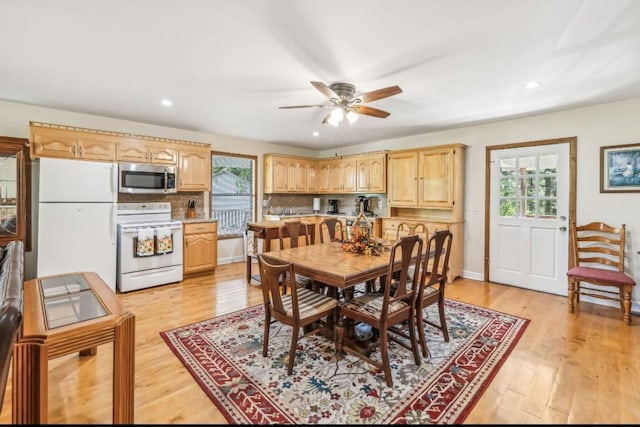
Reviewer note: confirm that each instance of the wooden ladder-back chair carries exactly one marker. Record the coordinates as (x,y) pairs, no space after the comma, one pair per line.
(332,228)
(299,308)
(393,307)
(598,259)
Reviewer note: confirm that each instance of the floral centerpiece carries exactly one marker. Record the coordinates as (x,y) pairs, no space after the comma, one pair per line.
(359,241)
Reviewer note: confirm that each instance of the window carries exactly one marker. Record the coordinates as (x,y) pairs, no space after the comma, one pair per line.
(233,198)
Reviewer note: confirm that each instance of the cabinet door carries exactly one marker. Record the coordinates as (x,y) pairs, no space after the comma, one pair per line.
(194,169)
(324,176)
(403,179)
(312,177)
(162,154)
(377,175)
(335,176)
(53,143)
(280,174)
(200,252)
(349,176)
(96,148)
(436,178)
(132,152)
(297,175)
(371,176)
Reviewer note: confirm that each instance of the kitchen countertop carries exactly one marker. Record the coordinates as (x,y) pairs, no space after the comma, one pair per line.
(192,220)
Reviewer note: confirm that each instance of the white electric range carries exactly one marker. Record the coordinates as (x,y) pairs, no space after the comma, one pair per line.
(158,263)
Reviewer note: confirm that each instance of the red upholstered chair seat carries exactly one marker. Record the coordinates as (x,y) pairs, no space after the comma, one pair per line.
(589,274)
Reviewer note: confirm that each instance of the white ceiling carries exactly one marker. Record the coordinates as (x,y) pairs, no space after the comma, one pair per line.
(228,65)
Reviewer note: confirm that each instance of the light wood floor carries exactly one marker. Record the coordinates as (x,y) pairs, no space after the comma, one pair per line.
(567,368)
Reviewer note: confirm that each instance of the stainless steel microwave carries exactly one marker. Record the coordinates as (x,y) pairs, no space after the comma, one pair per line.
(145,179)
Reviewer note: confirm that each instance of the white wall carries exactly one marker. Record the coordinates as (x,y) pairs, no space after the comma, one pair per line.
(602,125)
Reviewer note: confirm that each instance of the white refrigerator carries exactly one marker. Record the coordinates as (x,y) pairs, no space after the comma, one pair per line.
(77,218)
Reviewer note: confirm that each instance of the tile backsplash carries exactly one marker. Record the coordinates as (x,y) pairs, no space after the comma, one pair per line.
(303,203)
(178,202)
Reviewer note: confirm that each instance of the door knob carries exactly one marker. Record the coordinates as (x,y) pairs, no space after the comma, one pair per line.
(563,228)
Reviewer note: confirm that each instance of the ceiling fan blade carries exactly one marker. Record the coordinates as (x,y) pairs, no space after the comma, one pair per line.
(379,94)
(307,106)
(369,111)
(326,90)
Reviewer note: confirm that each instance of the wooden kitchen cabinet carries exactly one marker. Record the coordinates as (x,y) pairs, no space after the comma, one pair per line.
(147,152)
(200,247)
(342,175)
(371,174)
(431,177)
(290,174)
(65,144)
(194,168)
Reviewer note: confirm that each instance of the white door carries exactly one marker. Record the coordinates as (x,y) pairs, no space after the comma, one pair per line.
(529,209)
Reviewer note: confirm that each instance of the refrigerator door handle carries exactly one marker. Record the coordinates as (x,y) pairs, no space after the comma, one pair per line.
(113,224)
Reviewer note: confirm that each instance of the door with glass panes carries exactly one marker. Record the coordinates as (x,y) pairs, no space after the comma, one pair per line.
(529,217)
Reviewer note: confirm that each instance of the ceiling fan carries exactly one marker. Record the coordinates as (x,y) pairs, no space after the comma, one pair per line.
(345,104)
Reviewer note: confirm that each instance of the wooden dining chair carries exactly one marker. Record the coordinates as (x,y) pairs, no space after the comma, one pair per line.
(384,311)
(299,308)
(332,229)
(598,259)
(435,266)
(298,232)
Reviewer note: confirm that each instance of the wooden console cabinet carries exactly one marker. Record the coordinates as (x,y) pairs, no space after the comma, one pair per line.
(200,247)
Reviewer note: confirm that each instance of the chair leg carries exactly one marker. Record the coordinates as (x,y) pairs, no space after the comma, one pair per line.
(384,357)
(413,339)
(421,334)
(292,350)
(571,295)
(267,327)
(626,304)
(443,319)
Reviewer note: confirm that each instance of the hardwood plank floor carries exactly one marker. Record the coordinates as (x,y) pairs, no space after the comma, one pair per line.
(567,368)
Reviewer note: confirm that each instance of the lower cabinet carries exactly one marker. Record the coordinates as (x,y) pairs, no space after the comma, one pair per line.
(390,232)
(200,246)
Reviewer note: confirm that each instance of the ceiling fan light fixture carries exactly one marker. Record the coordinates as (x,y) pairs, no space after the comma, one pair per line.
(352,117)
(336,117)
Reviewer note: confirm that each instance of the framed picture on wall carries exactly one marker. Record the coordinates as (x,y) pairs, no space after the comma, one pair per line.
(620,168)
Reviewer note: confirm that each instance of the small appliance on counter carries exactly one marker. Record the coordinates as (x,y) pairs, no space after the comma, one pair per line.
(316,205)
(362,205)
(333,206)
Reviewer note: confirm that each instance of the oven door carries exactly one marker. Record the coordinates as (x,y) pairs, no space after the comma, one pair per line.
(136,271)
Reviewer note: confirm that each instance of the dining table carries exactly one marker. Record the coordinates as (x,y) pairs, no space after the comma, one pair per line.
(328,263)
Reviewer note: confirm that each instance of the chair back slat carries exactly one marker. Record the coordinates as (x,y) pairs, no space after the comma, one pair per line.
(296,230)
(332,228)
(273,279)
(401,285)
(598,244)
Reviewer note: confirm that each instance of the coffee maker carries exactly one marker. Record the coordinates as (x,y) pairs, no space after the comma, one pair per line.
(362,205)
(333,206)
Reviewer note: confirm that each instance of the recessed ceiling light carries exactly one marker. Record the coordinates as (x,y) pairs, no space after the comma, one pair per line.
(167,102)
(316,133)
(532,84)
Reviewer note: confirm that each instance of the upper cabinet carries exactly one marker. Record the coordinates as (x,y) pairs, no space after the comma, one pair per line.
(194,166)
(60,143)
(193,160)
(371,174)
(289,174)
(348,174)
(147,152)
(430,177)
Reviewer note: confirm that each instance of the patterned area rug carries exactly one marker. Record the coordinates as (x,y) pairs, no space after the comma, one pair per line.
(224,355)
